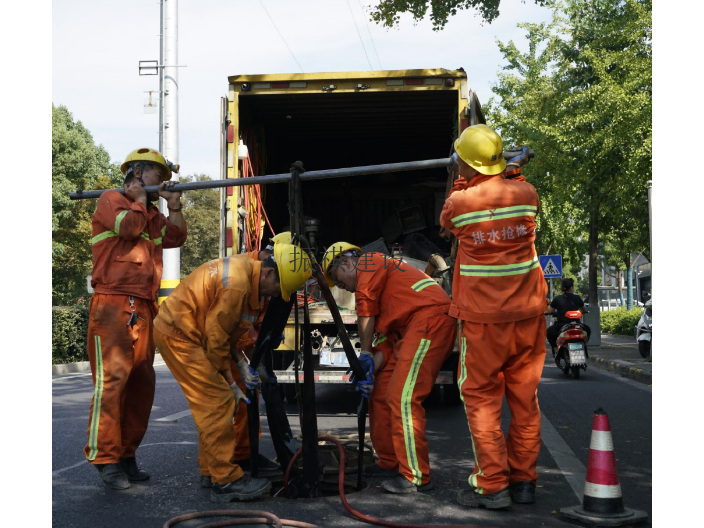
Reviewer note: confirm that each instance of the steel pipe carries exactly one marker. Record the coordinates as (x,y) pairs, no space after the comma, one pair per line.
(284,178)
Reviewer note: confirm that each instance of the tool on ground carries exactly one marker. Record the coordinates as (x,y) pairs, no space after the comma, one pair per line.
(238,517)
(603,502)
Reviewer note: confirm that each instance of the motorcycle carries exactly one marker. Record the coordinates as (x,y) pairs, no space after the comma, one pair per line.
(572,346)
(644,330)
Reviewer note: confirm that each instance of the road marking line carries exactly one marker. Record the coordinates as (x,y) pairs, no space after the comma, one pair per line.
(59,471)
(574,471)
(176,416)
(60,377)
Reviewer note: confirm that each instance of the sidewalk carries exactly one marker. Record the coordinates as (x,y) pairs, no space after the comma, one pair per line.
(619,354)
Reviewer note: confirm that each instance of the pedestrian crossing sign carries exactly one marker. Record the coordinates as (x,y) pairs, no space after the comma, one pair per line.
(552,266)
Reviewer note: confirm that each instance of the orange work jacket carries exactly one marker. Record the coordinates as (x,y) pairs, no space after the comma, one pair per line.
(393,292)
(497,276)
(127,243)
(249,339)
(214,307)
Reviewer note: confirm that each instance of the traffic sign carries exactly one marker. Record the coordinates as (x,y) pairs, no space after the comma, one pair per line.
(552,266)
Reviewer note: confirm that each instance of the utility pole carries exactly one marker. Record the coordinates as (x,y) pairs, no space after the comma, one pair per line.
(168,125)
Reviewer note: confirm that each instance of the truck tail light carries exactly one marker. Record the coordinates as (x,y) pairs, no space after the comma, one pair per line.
(414,81)
(279,85)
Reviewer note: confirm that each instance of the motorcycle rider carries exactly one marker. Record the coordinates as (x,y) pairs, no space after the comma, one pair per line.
(562,304)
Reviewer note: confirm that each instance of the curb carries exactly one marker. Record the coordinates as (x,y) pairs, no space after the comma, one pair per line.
(623,368)
(81,366)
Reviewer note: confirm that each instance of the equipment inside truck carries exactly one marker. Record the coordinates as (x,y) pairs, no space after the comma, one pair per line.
(335,130)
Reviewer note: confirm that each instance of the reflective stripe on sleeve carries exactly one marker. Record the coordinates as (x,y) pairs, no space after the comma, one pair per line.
(102,236)
(499,270)
(118,221)
(495,214)
(422,284)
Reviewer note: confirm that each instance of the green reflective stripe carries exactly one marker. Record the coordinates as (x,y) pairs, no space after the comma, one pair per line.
(422,284)
(157,241)
(163,231)
(102,236)
(145,236)
(406,414)
(495,214)
(118,220)
(97,401)
(499,270)
(463,377)
(379,340)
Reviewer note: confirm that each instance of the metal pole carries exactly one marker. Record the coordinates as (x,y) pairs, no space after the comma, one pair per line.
(171,274)
(284,178)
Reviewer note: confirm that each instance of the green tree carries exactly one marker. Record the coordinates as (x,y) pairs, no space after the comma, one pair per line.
(201,209)
(77,163)
(387,12)
(582,97)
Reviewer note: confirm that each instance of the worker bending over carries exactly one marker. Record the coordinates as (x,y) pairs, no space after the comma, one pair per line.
(207,313)
(409,313)
(499,296)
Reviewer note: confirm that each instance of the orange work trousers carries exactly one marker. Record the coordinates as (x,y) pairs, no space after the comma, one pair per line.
(122,365)
(498,359)
(240,424)
(396,414)
(211,402)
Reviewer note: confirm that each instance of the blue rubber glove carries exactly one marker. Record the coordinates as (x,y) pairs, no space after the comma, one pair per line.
(516,158)
(252,381)
(366,361)
(366,387)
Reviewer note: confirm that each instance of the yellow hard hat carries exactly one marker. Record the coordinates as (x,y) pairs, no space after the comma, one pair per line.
(334,251)
(284,238)
(294,268)
(148,155)
(482,149)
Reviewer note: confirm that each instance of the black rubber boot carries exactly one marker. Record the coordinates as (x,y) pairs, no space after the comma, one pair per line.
(400,484)
(206,481)
(522,492)
(113,476)
(245,488)
(374,470)
(494,501)
(134,474)
(264,464)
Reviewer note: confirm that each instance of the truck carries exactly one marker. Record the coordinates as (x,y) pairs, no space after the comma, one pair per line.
(338,120)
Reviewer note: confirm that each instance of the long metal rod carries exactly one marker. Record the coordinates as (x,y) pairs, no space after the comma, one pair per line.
(284,178)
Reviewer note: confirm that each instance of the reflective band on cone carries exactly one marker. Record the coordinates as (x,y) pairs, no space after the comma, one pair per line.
(603,503)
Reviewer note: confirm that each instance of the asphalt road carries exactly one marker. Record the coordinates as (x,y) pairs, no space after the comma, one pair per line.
(169,452)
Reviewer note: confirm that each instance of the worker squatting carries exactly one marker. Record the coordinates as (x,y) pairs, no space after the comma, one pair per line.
(407,327)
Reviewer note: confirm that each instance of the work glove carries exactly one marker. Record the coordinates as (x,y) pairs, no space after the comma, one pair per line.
(249,375)
(239,395)
(517,161)
(365,386)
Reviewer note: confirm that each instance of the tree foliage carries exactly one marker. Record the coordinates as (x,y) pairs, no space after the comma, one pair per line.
(387,13)
(581,96)
(201,209)
(77,163)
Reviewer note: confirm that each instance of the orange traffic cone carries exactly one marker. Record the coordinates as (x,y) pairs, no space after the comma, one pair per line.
(602,504)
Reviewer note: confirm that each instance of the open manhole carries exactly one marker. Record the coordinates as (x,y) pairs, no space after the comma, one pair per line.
(329,469)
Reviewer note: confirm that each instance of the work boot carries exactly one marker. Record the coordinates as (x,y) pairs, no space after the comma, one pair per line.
(494,501)
(134,474)
(113,476)
(522,492)
(244,488)
(264,464)
(375,470)
(206,481)
(400,484)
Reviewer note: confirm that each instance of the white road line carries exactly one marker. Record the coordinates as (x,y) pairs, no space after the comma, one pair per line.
(59,471)
(176,416)
(59,377)
(574,471)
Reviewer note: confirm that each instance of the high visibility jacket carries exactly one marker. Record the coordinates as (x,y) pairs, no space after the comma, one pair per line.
(249,339)
(214,307)
(393,292)
(497,276)
(127,244)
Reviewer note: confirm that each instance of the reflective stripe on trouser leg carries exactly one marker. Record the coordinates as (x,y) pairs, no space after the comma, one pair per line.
(380,425)
(97,401)
(406,413)
(463,376)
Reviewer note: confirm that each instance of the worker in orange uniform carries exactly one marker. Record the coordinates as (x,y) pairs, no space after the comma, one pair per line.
(409,313)
(208,312)
(499,296)
(129,236)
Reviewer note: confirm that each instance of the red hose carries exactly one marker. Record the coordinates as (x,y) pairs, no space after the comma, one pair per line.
(350,509)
